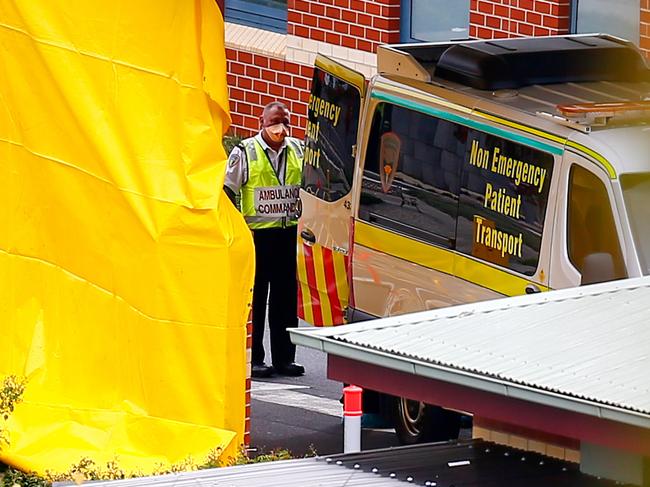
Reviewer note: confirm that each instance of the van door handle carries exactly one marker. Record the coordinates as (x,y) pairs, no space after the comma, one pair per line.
(308,236)
(532,289)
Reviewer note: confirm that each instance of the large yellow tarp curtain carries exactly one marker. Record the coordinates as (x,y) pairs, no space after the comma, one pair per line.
(125,273)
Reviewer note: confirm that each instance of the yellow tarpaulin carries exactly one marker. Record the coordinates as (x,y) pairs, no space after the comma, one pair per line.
(125,274)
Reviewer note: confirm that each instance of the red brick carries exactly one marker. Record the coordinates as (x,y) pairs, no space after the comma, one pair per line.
(306,71)
(332,38)
(349,16)
(645,4)
(290,29)
(268,75)
(364,19)
(342,3)
(236,94)
(276,64)
(309,20)
(526,4)
(373,8)
(473,5)
(252,123)
(244,108)
(299,108)
(291,93)
(542,7)
(284,79)
(316,34)
(645,17)
(533,18)
(260,86)
(252,97)
(357,31)
(484,33)
(350,42)
(301,6)
(476,18)
(390,11)
(237,119)
(300,83)
(341,27)
(276,90)
(266,99)
(253,72)
(364,45)
(517,14)
(372,35)
(292,68)
(357,5)
(231,53)
(294,17)
(493,22)
(325,24)
(244,57)
(499,34)
(317,9)
(237,68)
(386,37)
(550,22)
(328,2)
(333,13)
(541,31)
(231,79)
(245,83)
(501,11)
(304,96)
(301,31)
(291,4)
(472,31)
(485,7)
(505,25)
(525,29)
(380,23)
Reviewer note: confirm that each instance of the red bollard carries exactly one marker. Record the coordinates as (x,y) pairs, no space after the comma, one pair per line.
(352,419)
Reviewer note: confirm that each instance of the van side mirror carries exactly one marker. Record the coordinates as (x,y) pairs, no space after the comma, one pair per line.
(597,267)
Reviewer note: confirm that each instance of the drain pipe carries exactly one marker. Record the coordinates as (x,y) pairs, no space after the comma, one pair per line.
(352,419)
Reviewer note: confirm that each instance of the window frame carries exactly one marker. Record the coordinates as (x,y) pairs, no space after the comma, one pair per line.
(405,23)
(251,14)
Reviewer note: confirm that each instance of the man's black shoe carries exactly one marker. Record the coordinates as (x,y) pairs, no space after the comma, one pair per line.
(261,371)
(293,369)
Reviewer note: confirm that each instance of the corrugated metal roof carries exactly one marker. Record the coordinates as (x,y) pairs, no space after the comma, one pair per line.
(474,462)
(573,348)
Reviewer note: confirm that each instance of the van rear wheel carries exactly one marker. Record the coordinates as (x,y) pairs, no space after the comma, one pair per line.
(417,422)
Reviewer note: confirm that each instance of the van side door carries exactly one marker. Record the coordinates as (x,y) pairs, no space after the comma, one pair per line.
(587,244)
(325,205)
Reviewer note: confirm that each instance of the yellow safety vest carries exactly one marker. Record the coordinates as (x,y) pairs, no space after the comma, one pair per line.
(265,201)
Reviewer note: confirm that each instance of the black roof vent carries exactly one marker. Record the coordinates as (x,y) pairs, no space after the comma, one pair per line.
(514,63)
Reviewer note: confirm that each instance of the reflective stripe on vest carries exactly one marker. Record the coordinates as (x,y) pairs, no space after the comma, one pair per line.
(265,202)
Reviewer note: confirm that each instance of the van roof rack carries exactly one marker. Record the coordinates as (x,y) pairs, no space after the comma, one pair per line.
(515,63)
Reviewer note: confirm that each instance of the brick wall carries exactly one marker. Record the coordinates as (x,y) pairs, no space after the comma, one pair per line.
(491,19)
(645,27)
(256,79)
(355,24)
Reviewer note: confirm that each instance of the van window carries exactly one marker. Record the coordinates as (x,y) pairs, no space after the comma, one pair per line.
(503,199)
(331,133)
(412,173)
(591,227)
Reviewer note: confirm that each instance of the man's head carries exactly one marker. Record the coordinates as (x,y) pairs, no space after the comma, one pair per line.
(275,123)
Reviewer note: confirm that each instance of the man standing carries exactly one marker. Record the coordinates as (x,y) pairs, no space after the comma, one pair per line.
(265,172)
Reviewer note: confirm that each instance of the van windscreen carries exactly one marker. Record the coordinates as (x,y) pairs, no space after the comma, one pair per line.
(636,192)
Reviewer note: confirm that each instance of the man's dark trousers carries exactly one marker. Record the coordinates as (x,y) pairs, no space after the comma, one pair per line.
(275,278)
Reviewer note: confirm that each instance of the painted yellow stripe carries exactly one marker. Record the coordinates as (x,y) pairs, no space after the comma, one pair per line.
(442,260)
(321,284)
(508,123)
(304,287)
(403,247)
(341,279)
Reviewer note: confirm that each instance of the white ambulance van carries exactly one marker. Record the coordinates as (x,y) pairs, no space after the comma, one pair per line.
(469,171)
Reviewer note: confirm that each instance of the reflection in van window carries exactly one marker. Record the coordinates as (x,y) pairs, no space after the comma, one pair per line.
(331,132)
(503,200)
(636,192)
(591,229)
(411,175)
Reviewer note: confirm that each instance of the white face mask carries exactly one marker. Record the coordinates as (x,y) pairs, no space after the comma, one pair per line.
(277,132)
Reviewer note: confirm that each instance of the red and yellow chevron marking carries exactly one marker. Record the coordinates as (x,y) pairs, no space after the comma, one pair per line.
(322,285)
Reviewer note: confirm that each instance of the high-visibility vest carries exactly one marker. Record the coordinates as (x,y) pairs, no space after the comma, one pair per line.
(265,201)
